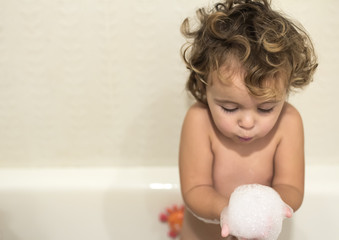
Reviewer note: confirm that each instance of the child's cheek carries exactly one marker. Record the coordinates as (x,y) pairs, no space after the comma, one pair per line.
(227,128)
(266,127)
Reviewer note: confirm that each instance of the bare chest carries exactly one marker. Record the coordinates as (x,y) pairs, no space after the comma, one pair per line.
(242,165)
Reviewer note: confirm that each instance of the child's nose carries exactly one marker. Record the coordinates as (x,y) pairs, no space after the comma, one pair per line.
(246,122)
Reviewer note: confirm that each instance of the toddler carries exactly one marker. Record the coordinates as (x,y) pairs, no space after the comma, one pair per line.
(244,59)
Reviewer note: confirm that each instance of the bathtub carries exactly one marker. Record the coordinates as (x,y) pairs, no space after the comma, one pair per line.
(124,203)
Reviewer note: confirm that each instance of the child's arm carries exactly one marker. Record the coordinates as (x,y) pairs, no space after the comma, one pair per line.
(288,178)
(195,163)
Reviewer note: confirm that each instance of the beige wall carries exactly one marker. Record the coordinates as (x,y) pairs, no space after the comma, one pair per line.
(101,82)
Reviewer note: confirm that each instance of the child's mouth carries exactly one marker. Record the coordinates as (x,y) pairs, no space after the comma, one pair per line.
(245,139)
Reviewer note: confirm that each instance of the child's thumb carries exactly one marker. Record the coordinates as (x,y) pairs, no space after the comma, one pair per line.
(288,211)
(224,230)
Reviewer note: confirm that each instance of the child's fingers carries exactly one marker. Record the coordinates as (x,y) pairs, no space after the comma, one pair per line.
(224,230)
(288,211)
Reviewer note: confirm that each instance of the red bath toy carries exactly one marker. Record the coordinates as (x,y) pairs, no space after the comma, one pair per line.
(174,217)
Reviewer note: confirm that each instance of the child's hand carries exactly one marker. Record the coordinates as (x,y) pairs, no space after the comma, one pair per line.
(224,229)
(288,211)
(254,212)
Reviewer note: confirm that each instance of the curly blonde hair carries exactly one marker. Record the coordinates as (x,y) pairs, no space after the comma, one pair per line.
(264,41)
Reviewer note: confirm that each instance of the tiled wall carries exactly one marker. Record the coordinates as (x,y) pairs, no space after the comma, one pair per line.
(101,82)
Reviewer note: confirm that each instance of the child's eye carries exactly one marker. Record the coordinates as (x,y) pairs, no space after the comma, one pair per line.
(229,110)
(265,110)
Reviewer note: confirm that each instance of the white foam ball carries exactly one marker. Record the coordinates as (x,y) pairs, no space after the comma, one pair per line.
(255,211)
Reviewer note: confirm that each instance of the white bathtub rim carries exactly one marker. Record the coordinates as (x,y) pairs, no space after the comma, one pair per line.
(90,178)
(318,178)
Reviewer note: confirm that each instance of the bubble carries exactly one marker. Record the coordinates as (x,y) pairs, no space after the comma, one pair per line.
(255,211)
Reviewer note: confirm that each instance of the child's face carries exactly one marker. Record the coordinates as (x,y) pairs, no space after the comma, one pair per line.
(237,114)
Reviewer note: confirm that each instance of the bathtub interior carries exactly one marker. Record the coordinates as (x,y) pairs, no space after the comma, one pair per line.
(125,204)
(86,204)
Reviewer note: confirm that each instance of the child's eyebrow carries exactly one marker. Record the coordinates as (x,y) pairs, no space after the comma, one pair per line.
(224,101)
(270,102)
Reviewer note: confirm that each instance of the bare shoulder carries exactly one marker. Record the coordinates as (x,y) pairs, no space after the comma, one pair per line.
(290,113)
(290,120)
(198,108)
(197,123)
(198,114)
